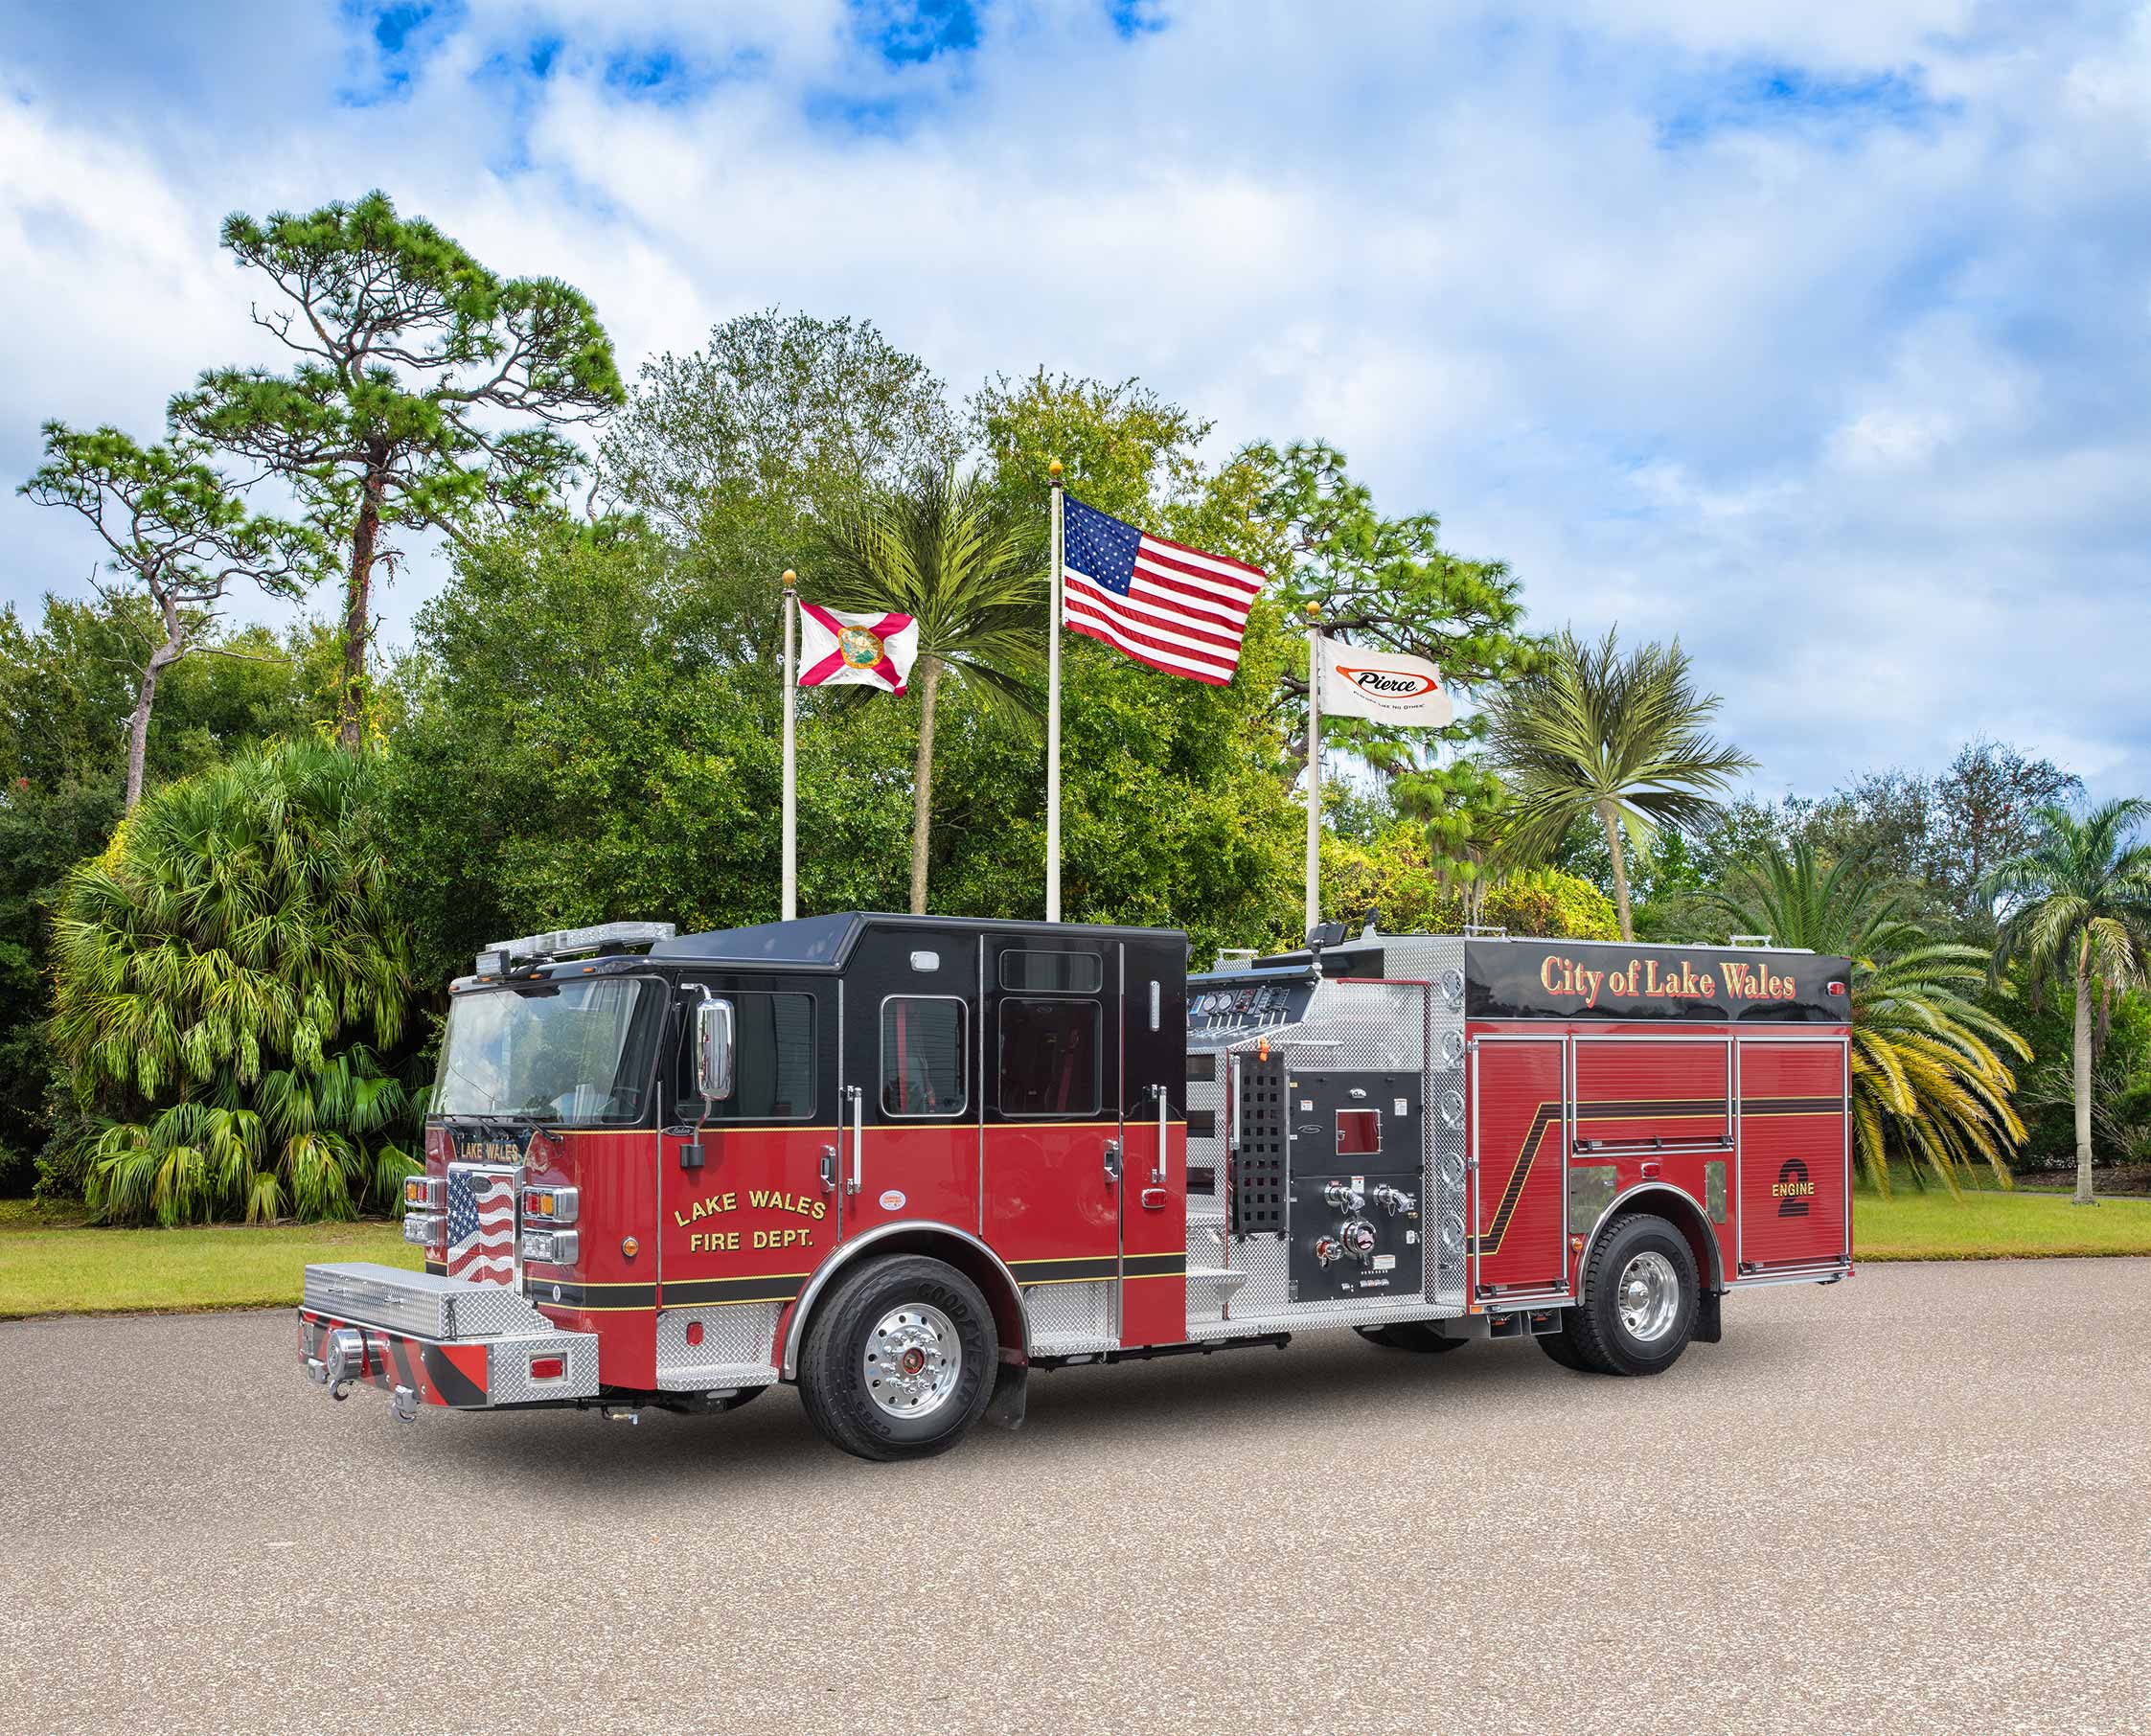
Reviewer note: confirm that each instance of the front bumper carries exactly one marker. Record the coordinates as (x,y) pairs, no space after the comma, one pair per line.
(432,1340)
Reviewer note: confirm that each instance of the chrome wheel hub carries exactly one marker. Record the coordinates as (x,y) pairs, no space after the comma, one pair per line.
(1648,1297)
(912,1358)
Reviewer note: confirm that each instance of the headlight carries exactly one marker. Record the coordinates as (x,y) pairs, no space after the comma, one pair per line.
(551,1248)
(421,1227)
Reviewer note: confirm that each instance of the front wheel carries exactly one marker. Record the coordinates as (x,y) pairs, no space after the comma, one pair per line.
(900,1361)
(1641,1294)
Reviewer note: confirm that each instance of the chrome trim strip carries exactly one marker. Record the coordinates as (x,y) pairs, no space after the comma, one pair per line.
(1818,1274)
(843,1255)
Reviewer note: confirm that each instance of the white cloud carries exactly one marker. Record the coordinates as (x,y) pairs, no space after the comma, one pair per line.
(1814,335)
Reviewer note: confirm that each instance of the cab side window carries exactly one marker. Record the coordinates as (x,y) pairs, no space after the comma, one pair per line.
(923,1056)
(773,1077)
(1049,1057)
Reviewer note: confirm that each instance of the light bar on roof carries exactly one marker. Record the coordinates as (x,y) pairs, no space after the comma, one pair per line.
(566,942)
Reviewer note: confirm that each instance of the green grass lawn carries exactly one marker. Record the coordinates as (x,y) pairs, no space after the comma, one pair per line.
(52,1264)
(1988,1224)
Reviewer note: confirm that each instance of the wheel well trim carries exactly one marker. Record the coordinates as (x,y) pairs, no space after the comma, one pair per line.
(843,1257)
(1715,1277)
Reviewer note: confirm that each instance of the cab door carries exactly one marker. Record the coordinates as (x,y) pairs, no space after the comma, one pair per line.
(747,1186)
(1055,1163)
(910,1111)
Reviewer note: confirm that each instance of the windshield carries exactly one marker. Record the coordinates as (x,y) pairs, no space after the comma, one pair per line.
(577,1051)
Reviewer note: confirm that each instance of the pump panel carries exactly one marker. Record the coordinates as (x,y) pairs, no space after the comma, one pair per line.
(1356,1178)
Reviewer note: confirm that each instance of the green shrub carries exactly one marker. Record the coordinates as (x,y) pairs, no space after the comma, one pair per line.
(228,976)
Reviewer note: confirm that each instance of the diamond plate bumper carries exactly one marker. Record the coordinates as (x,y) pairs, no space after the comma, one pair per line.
(434,1340)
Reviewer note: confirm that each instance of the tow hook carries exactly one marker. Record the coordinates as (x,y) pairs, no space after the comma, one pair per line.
(403,1404)
(343,1360)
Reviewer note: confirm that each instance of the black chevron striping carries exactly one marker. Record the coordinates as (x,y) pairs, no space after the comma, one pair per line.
(1630,1110)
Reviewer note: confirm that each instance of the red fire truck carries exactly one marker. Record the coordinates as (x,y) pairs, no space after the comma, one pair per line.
(904,1161)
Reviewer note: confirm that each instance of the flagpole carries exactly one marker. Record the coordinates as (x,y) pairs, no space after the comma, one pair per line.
(1053,711)
(1313,766)
(790,901)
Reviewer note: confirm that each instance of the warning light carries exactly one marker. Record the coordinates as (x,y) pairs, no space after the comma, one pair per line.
(1836,988)
(1261,1049)
(694,1332)
(547,1368)
(629,1247)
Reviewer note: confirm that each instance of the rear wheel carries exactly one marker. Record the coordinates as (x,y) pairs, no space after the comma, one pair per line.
(1409,1334)
(900,1361)
(1641,1294)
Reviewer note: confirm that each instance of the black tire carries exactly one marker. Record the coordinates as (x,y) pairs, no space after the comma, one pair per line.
(837,1391)
(1597,1331)
(1409,1334)
(1561,1346)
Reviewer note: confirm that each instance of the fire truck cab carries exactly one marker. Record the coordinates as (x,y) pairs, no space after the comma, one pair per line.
(902,1161)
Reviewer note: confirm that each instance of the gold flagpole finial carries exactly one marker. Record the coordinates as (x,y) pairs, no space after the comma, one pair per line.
(791,578)
(1314,611)
(1053,470)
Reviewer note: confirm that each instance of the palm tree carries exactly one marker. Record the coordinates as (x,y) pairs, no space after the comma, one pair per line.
(944,551)
(2079,909)
(218,971)
(1622,738)
(1926,1077)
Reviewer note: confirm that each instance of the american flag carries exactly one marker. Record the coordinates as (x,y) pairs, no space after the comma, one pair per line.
(482,1228)
(1163,603)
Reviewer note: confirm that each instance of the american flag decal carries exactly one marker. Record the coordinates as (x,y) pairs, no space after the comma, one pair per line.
(482,1227)
(1174,608)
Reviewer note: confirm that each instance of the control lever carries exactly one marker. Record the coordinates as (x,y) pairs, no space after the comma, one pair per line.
(1395,1200)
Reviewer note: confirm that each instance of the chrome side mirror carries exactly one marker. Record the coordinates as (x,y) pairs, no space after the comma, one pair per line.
(715,1047)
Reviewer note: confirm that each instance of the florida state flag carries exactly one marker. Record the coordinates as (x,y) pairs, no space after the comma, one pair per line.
(865,650)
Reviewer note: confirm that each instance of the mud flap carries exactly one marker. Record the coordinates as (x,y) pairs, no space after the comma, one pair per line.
(1709,1326)
(1005,1408)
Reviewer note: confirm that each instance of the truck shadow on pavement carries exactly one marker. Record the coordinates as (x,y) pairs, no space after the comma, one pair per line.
(1208,1403)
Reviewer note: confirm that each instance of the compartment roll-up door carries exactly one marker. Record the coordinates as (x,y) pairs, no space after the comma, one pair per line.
(1651,1092)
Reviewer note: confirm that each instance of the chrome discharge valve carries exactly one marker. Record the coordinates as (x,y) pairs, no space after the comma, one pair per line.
(1395,1200)
(1328,1249)
(1359,1239)
(1343,1195)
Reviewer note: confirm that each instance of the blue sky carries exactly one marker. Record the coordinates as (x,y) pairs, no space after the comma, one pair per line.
(1820,336)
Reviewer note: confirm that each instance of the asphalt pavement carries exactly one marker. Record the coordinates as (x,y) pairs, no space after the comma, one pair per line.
(1918,1501)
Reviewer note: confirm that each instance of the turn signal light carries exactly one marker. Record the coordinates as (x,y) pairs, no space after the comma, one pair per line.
(421,1192)
(547,1368)
(551,1204)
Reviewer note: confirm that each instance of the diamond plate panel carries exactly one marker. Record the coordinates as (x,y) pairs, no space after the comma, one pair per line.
(423,1303)
(1370,1027)
(1065,1317)
(508,1361)
(737,1347)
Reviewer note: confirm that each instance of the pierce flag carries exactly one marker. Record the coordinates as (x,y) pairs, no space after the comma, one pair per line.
(1386,687)
(838,648)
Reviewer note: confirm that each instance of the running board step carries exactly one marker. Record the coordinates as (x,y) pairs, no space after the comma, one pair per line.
(1224,1280)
